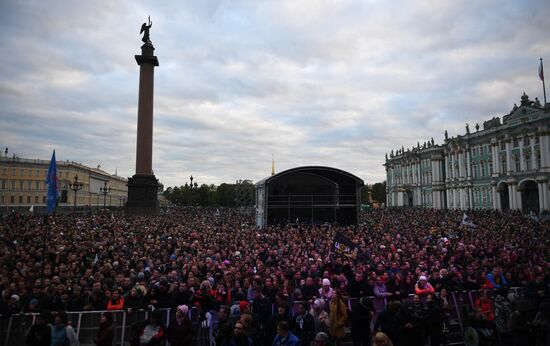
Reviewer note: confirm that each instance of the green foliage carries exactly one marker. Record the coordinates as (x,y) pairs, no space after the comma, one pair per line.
(378,192)
(224,195)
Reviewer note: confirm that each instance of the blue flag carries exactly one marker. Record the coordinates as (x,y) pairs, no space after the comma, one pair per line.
(51,180)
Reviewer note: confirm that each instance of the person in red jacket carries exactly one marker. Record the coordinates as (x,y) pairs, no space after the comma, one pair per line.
(116,302)
(423,287)
(486,306)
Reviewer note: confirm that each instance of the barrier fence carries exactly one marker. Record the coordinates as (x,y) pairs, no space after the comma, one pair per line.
(86,323)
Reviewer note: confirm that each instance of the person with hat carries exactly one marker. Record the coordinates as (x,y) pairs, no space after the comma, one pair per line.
(423,287)
(180,331)
(39,334)
(326,292)
(106,333)
(320,316)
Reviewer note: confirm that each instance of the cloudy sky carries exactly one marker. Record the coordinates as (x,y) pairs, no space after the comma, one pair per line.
(314,82)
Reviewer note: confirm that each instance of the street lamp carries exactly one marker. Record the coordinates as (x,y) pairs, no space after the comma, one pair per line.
(75,186)
(104,191)
(191,178)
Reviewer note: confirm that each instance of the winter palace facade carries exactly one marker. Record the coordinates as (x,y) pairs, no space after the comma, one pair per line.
(503,166)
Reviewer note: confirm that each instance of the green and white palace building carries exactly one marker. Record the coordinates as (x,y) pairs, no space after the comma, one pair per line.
(503,166)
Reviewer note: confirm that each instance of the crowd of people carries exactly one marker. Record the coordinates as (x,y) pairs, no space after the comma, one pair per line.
(216,259)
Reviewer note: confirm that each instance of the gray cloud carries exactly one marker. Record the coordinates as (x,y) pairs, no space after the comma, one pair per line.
(335,83)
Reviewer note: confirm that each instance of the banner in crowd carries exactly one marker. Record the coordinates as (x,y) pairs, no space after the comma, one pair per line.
(344,246)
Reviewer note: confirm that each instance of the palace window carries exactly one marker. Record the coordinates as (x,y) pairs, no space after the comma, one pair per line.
(37,185)
(482,164)
(518,164)
(28,199)
(503,165)
(12,199)
(538,159)
(21,185)
(516,143)
(528,162)
(35,199)
(476,196)
(526,141)
(20,199)
(502,145)
(483,197)
(490,163)
(3,185)
(474,170)
(29,185)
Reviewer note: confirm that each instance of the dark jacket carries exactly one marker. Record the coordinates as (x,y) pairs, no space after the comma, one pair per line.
(39,336)
(105,335)
(180,334)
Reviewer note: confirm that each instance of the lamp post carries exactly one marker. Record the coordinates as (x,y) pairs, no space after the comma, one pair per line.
(75,186)
(104,191)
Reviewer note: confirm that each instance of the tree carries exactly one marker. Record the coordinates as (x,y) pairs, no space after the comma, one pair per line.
(378,192)
(365,194)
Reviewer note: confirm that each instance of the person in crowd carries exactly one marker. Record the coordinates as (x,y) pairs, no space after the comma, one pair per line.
(381,293)
(381,339)
(434,322)
(423,287)
(412,322)
(106,333)
(281,315)
(387,321)
(284,336)
(225,325)
(321,339)
(326,292)
(180,332)
(238,338)
(116,302)
(62,334)
(320,316)
(338,318)
(39,333)
(250,328)
(153,333)
(362,313)
(304,325)
(486,305)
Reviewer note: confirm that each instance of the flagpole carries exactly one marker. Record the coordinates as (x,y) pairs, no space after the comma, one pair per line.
(543,85)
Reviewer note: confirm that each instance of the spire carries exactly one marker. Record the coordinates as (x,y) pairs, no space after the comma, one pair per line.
(272,164)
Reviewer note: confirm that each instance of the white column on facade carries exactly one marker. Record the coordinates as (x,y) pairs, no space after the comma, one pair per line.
(447,164)
(541,194)
(508,156)
(521,157)
(494,155)
(519,205)
(544,144)
(461,173)
(498,203)
(468,163)
(470,198)
(494,192)
(533,156)
(545,195)
(511,196)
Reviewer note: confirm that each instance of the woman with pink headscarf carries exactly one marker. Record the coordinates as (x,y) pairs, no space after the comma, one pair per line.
(180,331)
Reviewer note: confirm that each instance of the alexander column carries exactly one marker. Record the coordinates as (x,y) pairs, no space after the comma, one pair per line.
(143,186)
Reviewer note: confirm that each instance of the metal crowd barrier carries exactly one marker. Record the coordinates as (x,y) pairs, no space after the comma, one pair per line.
(86,323)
